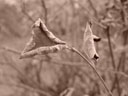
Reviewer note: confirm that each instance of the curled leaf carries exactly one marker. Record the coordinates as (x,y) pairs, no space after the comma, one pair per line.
(88,43)
(42,41)
(43,50)
(39,24)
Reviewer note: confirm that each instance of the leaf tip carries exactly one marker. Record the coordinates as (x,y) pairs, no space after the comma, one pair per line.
(37,23)
(88,30)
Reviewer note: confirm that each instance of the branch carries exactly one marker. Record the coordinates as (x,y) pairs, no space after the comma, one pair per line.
(57,12)
(67,63)
(24,11)
(87,12)
(116,80)
(110,48)
(45,11)
(10,50)
(94,9)
(91,65)
(121,73)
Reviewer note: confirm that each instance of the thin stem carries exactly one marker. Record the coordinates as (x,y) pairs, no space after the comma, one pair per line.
(110,48)
(45,11)
(23,9)
(116,79)
(10,50)
(93,8)
(91,65)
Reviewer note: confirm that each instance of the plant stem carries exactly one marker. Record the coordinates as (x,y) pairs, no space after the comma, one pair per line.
(110,47)
(91,65)
(116,79)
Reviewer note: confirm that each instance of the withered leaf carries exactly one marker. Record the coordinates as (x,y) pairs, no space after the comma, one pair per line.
(41,31)
(88,43)
(44,50)
(42,41)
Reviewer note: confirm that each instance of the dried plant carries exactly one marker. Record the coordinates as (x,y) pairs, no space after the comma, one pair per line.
(43,42)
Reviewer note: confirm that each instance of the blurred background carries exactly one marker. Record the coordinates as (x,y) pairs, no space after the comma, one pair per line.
(50,75)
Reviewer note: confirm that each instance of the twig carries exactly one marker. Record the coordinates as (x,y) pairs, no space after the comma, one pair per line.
(38,72)
(10,50)
(75,64)
(121,64)
(92,17)
(24,11)
(110,48)
(116,80)
(81,64)
(125,35)
(120,73)
(91,65)
(58,11)
(92,6)
(45,11)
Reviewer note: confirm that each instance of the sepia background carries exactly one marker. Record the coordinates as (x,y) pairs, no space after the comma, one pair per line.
(50,75)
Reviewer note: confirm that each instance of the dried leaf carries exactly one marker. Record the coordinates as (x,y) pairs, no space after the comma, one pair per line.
(39,24)
(42,41)
(88,43)
(44,50)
